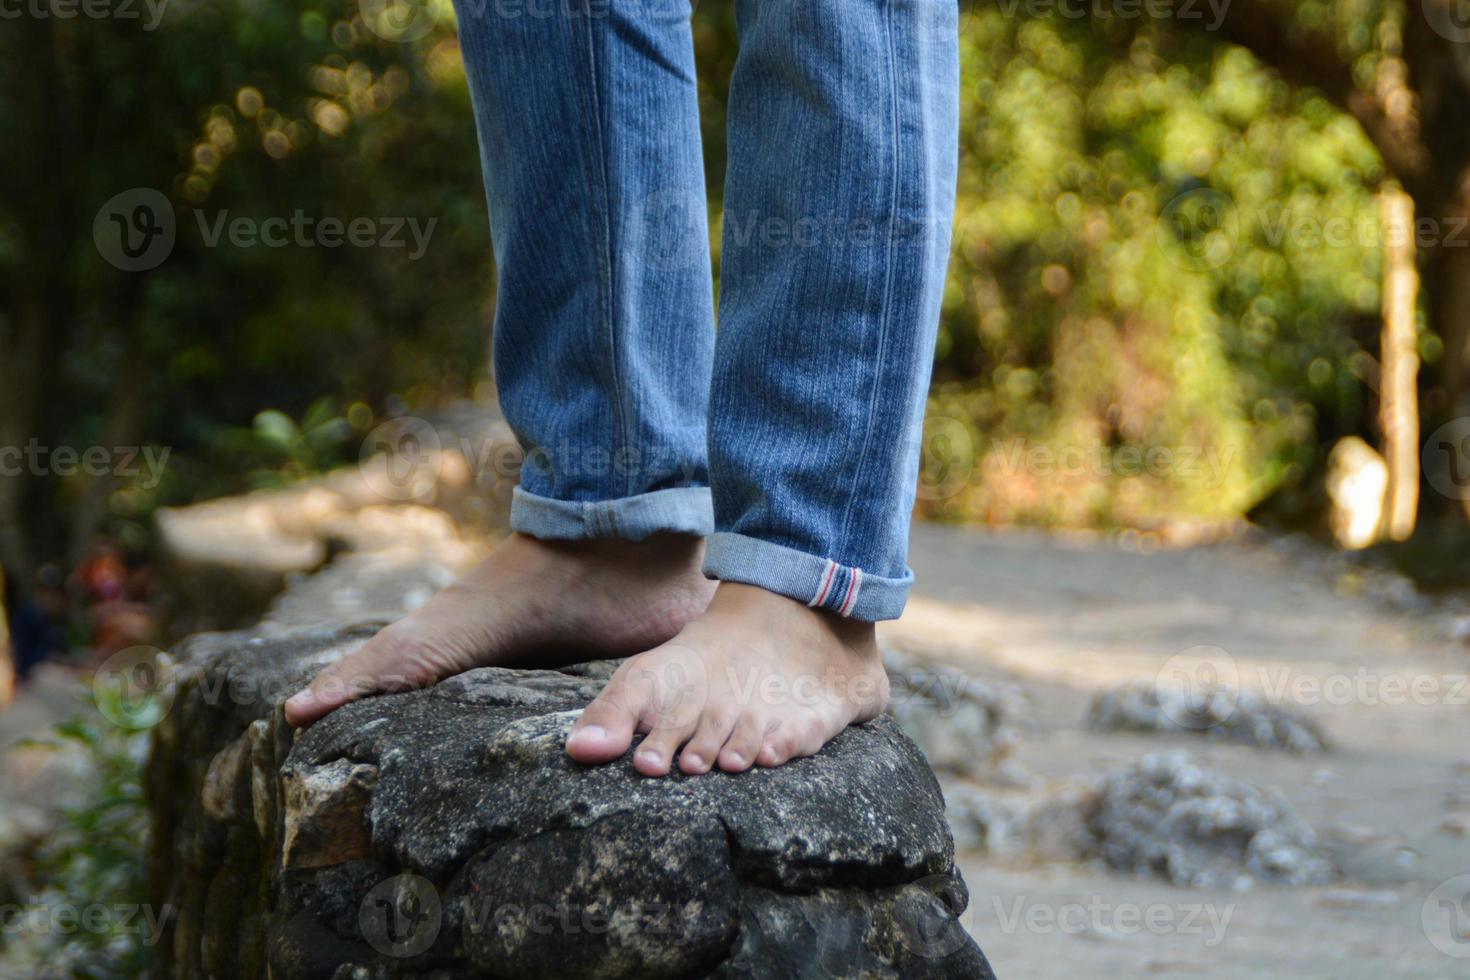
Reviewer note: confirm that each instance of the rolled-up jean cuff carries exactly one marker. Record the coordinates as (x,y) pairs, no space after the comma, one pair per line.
(679,510)
(818,582)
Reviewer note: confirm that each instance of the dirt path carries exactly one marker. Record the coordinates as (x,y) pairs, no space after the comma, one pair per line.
(1064,618)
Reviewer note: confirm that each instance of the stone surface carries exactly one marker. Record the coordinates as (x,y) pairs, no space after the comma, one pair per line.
(444,832)
(1233,716)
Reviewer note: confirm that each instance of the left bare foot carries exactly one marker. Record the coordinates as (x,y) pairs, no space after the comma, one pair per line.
(757,680)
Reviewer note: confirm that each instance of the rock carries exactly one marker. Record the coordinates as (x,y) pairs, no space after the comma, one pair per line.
(1168,816)
(226,559)
(982,822)
(1357,483)
(1229,715)
(324,814)
(444,832)
(965,725)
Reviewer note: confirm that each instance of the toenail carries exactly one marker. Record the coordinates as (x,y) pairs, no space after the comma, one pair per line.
(650,756)
(694,760)
(588,733)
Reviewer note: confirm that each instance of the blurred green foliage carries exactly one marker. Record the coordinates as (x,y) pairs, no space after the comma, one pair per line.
(290,450)
(1134,271)
(1134,267)
(91,862)
(234,110)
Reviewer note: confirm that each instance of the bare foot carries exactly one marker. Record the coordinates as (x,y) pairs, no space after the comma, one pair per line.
(606,597)
(758,679)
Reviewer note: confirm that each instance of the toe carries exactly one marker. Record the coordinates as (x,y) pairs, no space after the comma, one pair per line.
(656,755)
(378,665)
(792,739)
(704,746)
(669,726)
(605,729)
(744,742)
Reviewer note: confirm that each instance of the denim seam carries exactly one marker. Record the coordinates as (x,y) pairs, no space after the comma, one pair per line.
(855,586)
(805,577)
(606,299)
(888,280)
(823,584)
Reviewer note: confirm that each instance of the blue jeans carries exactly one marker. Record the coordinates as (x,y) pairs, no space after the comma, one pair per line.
(791,434)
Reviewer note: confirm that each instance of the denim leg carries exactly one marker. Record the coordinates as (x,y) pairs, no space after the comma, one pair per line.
(839,199)
(588,119)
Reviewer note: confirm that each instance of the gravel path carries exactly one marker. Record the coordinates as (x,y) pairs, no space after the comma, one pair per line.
(1067,617)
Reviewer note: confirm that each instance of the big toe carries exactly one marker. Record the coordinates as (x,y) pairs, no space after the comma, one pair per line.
(605,729)
(380,664)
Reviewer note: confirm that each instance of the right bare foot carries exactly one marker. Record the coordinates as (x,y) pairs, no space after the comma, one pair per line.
(603,598)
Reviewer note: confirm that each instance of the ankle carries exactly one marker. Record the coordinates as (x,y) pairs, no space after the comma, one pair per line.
(742,601)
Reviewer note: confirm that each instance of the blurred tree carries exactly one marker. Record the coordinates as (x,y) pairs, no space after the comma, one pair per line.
(1168,244)
(265,110)
(1140,259)
(1402,70)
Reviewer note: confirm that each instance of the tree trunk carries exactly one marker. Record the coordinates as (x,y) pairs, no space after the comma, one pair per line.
(1398,394)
